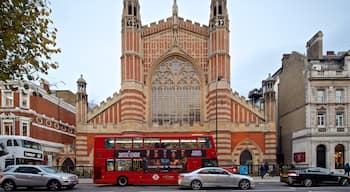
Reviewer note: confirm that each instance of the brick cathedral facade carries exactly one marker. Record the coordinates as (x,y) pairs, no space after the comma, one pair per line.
(175,78)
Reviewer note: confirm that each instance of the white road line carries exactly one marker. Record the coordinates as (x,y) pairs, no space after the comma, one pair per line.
(267,190)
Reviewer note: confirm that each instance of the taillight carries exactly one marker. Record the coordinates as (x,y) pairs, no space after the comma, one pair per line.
(293,174)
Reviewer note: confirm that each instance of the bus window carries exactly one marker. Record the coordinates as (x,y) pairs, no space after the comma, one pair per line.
(170,143)
(110,165)
(109,143)
(15,143)
(123,143)
(209,163)
(137,143)
(151,142)
(123,165)
(188,143)
(9,143)
(137,164)
(204,143)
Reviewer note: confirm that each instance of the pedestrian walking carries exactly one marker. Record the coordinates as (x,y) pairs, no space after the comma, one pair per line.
(346,169)
(266,167)
(262,171)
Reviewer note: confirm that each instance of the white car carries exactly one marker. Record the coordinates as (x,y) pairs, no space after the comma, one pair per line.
(35,176)
(214,177)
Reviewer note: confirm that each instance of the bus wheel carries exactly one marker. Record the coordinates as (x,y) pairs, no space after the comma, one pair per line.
(122,181)
(8,185)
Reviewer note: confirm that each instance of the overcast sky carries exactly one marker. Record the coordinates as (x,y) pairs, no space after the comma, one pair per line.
(260,32)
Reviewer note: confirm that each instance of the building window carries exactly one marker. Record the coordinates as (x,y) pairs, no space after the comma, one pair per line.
(175,93)
(321,96)
(321,119)
(8,127)
(25,128)
(339,119)
(339,96)
(24,99)
(339,156)
(7,98)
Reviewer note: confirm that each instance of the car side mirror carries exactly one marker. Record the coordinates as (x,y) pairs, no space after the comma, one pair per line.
(41,173)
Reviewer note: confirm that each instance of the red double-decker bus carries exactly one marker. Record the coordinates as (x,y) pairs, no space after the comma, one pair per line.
(156,159)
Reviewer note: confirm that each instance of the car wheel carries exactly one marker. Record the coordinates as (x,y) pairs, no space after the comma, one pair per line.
(54,185)
(344,182)
(244,184)
(307,182)
(196,184)
(122,181)
(8,185)
(70,186)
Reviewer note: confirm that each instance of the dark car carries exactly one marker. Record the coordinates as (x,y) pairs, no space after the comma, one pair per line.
(316,176)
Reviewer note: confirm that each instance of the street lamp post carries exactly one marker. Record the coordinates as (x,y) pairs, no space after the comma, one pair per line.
(216,112)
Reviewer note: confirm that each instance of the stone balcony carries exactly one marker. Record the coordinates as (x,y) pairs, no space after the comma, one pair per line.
(322,131)
(329,74)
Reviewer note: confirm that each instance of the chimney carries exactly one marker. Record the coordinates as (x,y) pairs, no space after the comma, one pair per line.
(314,47)
(45,85)
(330,53)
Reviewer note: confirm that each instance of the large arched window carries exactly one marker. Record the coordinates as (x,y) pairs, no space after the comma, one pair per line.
(339,156)
(321,156)
(175,93)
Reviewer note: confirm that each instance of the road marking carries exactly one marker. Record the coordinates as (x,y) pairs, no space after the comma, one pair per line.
(289,189)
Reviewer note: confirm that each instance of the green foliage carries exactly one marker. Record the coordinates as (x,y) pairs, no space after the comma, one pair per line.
(27,39)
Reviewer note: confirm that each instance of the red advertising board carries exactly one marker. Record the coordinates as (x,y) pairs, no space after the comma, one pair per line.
(299,157)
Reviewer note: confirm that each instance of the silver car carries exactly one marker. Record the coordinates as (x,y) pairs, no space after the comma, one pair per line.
(214,177)
(35,176)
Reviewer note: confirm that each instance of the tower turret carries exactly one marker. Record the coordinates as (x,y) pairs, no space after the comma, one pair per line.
(269,98)
(81,101)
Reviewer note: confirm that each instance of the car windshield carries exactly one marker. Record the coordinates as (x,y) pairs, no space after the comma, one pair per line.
(49,169)
(7,169)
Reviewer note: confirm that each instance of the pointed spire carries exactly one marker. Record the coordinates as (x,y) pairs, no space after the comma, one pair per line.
(175,9)
(175,32)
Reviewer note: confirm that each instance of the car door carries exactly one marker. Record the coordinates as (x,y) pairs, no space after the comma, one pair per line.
(330,177)
(28,176)
(37,176)
(207,176)
(223,178)
(24,176)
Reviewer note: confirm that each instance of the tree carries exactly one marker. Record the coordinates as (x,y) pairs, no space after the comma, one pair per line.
(27,40)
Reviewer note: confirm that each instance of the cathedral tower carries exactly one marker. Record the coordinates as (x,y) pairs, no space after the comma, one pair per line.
(219,77)
(131,63)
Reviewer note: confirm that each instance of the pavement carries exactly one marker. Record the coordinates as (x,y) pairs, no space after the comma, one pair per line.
(267,179)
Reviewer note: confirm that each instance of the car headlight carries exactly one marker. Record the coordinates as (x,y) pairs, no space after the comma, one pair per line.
(64,177)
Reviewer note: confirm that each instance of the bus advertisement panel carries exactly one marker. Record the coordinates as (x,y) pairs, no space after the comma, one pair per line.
(136,160)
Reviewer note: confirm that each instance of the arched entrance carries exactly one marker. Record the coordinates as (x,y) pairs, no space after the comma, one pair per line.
(67,165)
(254,153)
(321,156)
(245,158)
(339,156)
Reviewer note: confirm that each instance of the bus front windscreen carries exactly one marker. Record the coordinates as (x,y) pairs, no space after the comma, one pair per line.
(31,145)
